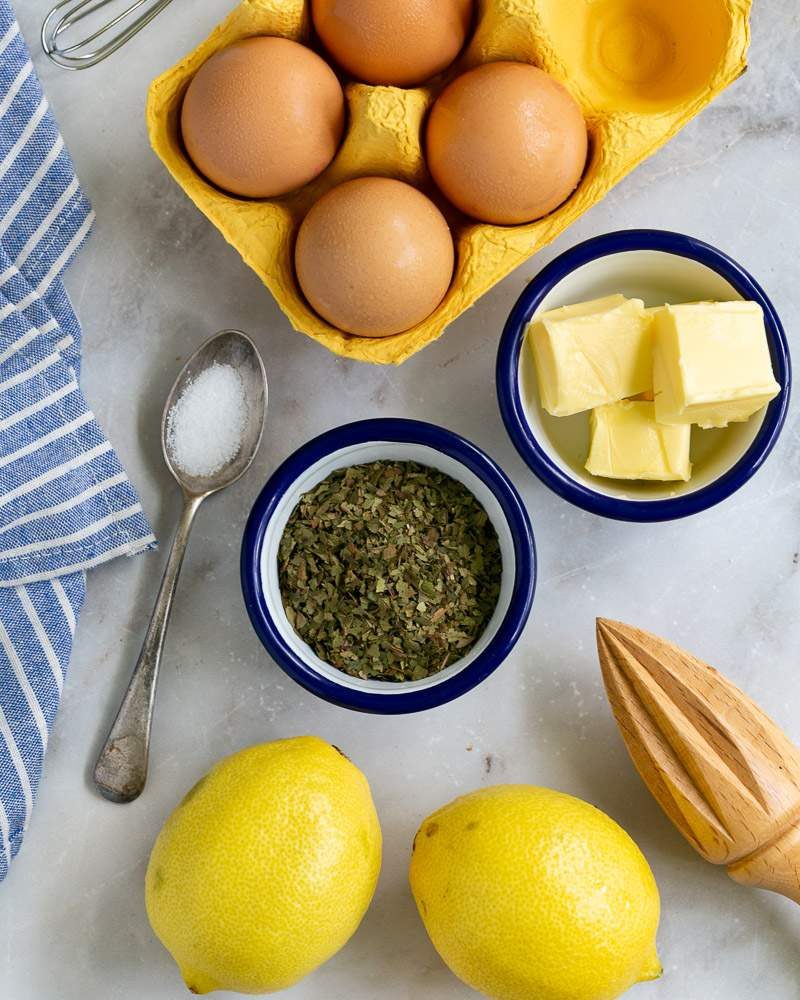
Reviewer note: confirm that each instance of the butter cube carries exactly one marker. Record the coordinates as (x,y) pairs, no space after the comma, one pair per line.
(591,353)
(650,314)
(711,363)
(626,442)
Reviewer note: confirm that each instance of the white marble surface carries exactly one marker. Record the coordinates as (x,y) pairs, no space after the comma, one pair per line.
(154,281)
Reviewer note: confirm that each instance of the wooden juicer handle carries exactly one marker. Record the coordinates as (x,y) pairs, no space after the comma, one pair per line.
(775,867)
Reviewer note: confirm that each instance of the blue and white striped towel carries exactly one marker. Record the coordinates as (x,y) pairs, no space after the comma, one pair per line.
(65,501)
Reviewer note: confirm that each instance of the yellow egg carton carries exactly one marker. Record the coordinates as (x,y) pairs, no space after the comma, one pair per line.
(640,69)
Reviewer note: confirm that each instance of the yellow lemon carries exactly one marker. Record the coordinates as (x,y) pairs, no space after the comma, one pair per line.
(266,867)
(530,894)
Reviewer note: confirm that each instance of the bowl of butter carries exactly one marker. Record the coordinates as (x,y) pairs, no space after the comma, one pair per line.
(644,375)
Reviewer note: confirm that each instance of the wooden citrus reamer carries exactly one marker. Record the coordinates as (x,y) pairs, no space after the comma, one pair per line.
(721,770)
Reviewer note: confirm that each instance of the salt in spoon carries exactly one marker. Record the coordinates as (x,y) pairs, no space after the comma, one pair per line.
(121,769)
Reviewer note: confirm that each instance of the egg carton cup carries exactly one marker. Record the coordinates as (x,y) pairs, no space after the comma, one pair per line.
(640,70)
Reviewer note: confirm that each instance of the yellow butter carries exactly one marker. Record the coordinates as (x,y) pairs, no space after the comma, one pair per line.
(591,353)
(626,442)
(592,307)
(640,72)
(711,363)
(650,313)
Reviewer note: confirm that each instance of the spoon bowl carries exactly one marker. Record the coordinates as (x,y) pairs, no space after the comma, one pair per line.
(234,348)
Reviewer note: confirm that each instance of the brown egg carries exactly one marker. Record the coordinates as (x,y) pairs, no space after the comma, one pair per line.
(399,42)
(263,117)
(506,143)
(374,256)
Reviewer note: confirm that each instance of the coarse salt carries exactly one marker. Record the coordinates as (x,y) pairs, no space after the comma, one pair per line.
(205,425)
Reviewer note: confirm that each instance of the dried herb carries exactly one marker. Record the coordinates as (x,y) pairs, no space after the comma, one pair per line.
(389,570)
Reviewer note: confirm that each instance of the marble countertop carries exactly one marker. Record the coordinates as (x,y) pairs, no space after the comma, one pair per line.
(154,281)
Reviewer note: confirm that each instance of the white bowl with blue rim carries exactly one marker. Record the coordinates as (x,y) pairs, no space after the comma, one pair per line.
(658,267)
(369,441)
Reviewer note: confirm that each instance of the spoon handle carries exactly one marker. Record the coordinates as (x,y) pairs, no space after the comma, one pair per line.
(121,769)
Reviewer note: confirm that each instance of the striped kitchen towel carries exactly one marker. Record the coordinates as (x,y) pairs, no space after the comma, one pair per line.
(65,501)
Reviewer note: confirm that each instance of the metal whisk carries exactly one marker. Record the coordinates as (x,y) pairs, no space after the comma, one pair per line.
(102,40)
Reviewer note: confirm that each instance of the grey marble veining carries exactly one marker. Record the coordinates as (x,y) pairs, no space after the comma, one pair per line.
(156,279)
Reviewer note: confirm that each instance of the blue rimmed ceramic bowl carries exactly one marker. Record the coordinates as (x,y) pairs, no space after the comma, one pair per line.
(368,441)
(658,267)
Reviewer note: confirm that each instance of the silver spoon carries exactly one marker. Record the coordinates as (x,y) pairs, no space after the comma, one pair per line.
(121,769)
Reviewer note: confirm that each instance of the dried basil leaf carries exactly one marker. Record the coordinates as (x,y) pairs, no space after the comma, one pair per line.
(389,570)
